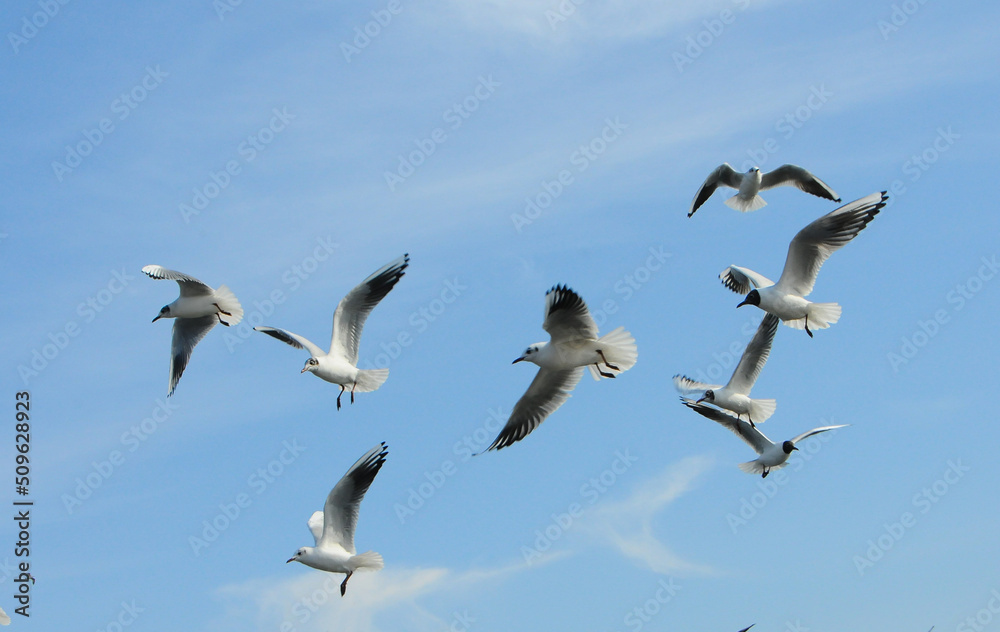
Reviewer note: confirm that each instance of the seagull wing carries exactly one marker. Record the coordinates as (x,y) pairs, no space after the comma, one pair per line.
(806,435)
(817,241)
(547,393)
(742,280)
(754,356)
(353,310)
(340,513)
(800,179)
(316,526)
(187,333)
(567,316)
(190,286)
(753,437)
(724,175)
(686,385)
(295,340)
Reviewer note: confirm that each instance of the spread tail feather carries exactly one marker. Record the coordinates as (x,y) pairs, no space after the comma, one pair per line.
(618,347)
(762,409)
(228,303)
(745,206)
(821,316)
(752,467)
(369,560)
(370,379)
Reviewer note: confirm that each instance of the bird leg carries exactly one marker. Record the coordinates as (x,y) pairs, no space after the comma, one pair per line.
(610,366)
(343,586)
(220,319)
(807,326)
(221,311)
(603,373)
(751,421)
(352,391)
(338,405)
(764,475)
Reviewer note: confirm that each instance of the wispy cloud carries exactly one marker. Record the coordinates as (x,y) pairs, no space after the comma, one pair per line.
(627,525)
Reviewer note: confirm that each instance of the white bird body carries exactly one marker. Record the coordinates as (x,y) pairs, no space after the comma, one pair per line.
(735,395)
(339,364)
(751,183)
(574,345)
(197,310)
(333,528)
(807,252)
(772,456)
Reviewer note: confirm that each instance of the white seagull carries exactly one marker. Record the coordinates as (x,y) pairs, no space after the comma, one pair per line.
(197,310)
(574,344)
(773,456)
(806,254)
(735,395)
(333,528)
(752,182)
(339,365)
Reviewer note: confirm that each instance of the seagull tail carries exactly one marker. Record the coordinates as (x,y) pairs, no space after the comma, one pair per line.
(752,467)
(370,379)
(745,206)
(369,560)
(762,409)
(228,303)
(619,348)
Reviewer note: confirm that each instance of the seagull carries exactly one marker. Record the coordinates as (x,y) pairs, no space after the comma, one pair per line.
(806,254)
(735,396)
(773,456)
(752,182)
(333,528)
(748,627)
(4,618)
(574,344)
(339,365)
(197,310)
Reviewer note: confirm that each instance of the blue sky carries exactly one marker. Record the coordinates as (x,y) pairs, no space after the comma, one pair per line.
(508,147)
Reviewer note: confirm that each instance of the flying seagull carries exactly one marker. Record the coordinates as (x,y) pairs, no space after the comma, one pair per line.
(735,395)
(333,528)
(574,344)
(339,365)
(806,254)
(773,456)
(752,182)
(197,310)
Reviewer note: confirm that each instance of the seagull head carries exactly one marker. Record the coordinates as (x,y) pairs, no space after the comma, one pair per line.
(787,447)
(753,170)
(530,353)
(301,553)
(164,313)
(311,365)
(709,396)
(753,298)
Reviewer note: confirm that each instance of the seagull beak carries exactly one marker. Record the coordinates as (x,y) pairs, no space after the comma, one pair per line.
(158,316)
(304,369)
(700,400)
(518,360)
(746,301)
(290,560)
(794,448)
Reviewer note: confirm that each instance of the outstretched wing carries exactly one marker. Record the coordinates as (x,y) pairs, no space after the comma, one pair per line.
(353,310)
(187,333)
(800,179)
(316,526)
(742,280)
(686,385)
(190,286)
(814,244)
(806,435)
(294,340)
(340,513)
(724,175)
(754,356)
(546,393)
(753,437)
(567,316)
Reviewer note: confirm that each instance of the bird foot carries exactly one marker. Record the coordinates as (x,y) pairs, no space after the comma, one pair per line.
(604,373)
(338,397)
(343,586)
(606,363)
(221,311)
